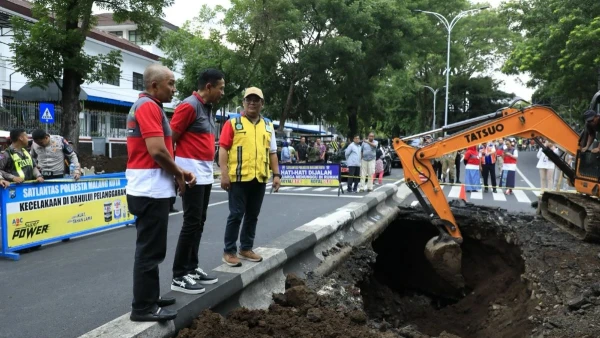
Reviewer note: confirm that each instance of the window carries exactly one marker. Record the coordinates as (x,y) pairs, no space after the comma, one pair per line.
(117,33)
(138,81)
(135,37)
(113,79)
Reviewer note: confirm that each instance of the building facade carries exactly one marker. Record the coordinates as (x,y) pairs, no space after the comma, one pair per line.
(106,105)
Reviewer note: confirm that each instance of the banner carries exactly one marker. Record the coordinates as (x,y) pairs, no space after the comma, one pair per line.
(40,212)
(310,175)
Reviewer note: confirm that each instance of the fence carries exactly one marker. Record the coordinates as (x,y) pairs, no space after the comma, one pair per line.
(23,114)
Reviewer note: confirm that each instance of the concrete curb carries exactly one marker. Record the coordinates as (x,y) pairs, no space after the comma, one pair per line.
(297,251)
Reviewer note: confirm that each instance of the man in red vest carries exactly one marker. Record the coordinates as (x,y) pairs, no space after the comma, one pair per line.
(193,126)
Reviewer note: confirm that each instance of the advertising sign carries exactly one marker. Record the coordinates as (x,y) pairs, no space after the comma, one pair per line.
(41,212)
(310,175)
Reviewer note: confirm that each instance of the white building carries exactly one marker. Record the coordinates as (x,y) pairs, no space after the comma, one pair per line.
(114,97)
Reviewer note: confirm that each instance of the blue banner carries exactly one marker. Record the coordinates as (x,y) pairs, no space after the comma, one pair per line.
(310,175)
(39,213)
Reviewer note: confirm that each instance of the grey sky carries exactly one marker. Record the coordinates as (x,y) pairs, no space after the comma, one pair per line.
(184,10)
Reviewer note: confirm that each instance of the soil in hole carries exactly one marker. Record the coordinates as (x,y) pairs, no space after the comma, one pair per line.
(405,289)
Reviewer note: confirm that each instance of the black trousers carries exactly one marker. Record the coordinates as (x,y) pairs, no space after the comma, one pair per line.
(437,167)
(195,205)
(457,164)
(245,201)
(489,170)
(353,181)
(150,248)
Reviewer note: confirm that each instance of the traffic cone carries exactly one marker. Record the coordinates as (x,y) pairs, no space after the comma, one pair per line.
(463,194)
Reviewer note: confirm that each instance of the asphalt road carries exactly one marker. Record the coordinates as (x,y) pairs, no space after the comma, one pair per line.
(526,188)
(67,289)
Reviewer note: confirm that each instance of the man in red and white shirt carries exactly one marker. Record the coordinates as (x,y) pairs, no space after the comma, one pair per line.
(150,172)
(193,126)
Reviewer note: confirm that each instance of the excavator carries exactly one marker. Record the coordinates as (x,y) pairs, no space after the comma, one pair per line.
(577,214)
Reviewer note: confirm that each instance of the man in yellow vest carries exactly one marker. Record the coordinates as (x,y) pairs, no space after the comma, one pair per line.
(17,165)
(247,150)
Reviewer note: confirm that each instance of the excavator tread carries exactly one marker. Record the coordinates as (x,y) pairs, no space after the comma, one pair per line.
(576,214)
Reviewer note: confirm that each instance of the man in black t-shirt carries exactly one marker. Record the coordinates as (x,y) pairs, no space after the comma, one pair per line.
(592,126)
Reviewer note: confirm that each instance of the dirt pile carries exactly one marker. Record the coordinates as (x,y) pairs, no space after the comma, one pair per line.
(103,163)
(524,277)
(298,312)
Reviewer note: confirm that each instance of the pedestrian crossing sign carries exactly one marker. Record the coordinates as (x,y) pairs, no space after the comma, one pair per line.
(46,113)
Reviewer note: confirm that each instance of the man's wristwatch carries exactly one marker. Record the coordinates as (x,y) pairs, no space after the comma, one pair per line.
(277,175)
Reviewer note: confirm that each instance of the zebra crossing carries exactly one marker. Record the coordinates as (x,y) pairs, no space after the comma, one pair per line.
(521,196)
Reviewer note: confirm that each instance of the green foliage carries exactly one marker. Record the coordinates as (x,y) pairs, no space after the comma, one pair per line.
(357,64)
(560,49)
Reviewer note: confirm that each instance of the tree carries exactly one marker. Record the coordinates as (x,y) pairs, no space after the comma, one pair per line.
(560,48)
(51,49)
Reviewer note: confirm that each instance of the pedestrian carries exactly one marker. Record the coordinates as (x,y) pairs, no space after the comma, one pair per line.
(457,164)
(511,154)
(302,150)
(18,165)
(352,153)
(367,164)
(499,157)
(150,172)
(488,165)
(247,149)
(322,150)
(448,170)
(193,126)
(546,167)
(286,154)
(50,152)
(378,165)
(472,164)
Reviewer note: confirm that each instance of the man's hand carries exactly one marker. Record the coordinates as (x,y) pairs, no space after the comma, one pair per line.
(276,183)
(180,182)
(584,149)
(225,182)
(17,179)
(39,179)
(76,176)
(190,178)
(4,184)
(596,150)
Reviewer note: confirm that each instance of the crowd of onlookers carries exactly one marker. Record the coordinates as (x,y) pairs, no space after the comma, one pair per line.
(491,165)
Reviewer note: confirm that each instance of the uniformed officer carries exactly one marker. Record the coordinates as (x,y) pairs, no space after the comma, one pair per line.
(18,165)
(50,152)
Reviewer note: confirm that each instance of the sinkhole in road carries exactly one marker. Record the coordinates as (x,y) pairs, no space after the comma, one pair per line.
(404,290)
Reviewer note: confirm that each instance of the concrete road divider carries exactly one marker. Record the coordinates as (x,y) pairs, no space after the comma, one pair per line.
(298,251)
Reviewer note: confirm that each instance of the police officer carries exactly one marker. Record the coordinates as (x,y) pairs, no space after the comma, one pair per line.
(17,165)
(50,151)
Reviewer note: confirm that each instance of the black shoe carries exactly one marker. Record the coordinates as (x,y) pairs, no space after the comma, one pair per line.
(173,210)
(494,191)
(159,315)
(162,302)
(202,277)
(187,284)
(486,190)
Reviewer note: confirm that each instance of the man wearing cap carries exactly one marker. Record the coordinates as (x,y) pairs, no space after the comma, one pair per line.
(592,126)
(247,149)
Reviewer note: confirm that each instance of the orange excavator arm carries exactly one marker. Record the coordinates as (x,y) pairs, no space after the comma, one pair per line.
(530,122)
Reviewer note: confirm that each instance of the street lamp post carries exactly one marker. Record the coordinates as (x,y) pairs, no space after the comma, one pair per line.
(434,91)
(449,26)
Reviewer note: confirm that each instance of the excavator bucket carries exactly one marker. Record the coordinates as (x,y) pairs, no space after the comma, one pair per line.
(445,256)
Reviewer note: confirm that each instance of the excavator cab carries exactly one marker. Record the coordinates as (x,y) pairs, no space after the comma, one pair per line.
(574,213)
